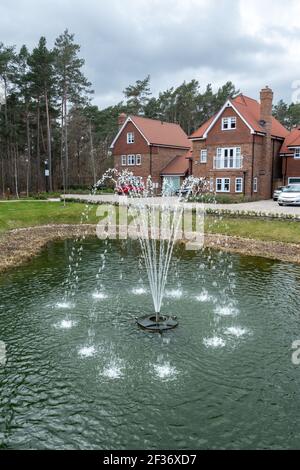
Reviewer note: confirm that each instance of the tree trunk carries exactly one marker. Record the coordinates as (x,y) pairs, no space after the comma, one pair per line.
(49,142)
(92,154)
(15,154)
(38,154)
(28,153)
(62,150)
(66,142)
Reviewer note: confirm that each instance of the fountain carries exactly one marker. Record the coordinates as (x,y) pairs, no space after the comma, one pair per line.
(157,223)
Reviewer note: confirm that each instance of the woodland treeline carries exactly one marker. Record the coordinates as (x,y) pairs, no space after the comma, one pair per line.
(48,121)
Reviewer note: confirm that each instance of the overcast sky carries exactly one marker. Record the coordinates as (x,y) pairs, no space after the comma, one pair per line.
(251,42)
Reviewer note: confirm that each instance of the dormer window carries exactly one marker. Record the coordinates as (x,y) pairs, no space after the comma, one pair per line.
(297,153)
(228,123)
(130,137)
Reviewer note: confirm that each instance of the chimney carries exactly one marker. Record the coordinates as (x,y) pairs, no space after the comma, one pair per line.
(266,105)
(267,161)
(121,119)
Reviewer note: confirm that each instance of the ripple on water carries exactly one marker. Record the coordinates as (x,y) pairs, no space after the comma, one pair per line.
(64,305)
(114,370)
(174,294)
(214,343)
(65,324)
(139,291)
(226,311)
(100,296)
(203,297)
(164,371)
(236,331)
(87,351)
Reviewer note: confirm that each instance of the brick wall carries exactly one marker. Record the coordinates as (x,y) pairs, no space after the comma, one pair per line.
(240,137)
(290,168)
(153,159)
(256,164)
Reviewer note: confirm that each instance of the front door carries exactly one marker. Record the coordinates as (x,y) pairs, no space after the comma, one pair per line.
(171,184)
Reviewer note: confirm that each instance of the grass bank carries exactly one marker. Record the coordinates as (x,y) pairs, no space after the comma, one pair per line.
(286,231)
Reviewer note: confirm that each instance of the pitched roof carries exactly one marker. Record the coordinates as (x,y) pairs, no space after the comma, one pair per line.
(161,133)
(178,166)
(291,140)
(249,109)
(158,132)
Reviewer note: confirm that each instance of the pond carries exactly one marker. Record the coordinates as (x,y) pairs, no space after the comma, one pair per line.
(81,375)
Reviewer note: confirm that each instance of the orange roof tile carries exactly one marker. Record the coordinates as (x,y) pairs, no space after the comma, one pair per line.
(199,133)
(249,109)
(161,133)
(178,166)
(291,140)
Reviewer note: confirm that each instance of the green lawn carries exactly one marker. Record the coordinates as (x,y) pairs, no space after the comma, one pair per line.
(30,213)
(268,230)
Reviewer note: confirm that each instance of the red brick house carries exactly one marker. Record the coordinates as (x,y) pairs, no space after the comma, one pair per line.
(238,149)
(290,153)
(148,147)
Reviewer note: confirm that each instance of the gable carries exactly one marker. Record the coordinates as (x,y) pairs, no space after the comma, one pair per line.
(121,147)
(249,111)
(216,134)
(156,132)
(291,141)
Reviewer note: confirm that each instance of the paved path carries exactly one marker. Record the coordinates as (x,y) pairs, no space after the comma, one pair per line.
(268,206)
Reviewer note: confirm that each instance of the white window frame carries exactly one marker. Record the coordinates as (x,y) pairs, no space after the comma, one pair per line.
(211,185)
(297,153)
(138,159)
(234,162)
(255,184)
(123,160)
(130,137)
(223,183)
(240,181)
(131,160)
(229,123)
(203,156)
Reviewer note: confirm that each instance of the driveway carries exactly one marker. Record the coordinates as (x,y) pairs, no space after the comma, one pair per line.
(267,207)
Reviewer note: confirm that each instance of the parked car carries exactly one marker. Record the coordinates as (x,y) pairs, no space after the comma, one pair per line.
(290,195)
(126,189)
(277,192)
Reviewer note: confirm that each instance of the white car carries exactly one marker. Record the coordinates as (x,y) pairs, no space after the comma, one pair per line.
(290,195)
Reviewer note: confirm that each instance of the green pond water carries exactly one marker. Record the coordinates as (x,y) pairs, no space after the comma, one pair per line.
(85,377)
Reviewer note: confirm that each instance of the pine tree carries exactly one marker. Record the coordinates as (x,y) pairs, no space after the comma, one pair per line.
(72,88)
(42,79)
(137,96)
